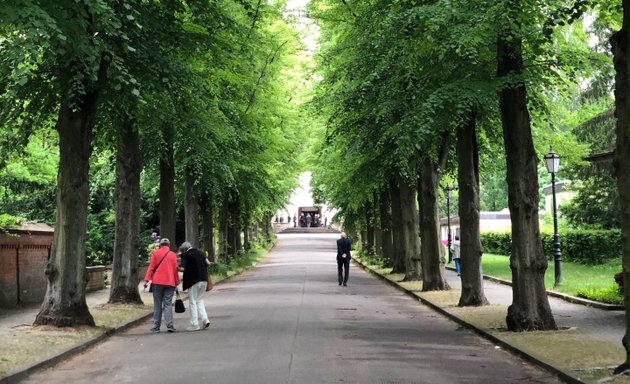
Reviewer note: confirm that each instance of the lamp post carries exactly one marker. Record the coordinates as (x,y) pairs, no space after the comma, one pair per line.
(552,162)
(449,239)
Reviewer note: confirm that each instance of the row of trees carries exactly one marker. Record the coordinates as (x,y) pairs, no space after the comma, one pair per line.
(422,93)
(189,104)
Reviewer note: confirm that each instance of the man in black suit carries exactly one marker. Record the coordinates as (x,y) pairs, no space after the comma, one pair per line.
(343,258)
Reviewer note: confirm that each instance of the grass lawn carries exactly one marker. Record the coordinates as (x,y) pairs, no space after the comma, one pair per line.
(595,279)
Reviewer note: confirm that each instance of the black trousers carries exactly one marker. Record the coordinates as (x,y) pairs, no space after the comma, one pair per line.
(343,267)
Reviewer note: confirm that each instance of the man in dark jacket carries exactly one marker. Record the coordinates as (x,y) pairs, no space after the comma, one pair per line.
(195,267)
(343,258)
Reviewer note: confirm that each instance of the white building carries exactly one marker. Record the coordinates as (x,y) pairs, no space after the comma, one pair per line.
(500,221)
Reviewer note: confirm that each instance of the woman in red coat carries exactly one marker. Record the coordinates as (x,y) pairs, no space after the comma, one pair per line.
(164,278)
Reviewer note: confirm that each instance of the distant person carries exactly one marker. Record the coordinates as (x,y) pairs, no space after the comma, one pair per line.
(343,259)
(325,221)
(163,276)
(309,220)
(294,220)
(195,267)
(456,250)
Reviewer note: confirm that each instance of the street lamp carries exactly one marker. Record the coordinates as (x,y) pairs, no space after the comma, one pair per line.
(447,191)
(552,162)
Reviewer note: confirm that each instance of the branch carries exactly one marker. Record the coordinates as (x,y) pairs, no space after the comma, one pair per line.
(255,19)
(263,72)
(349,8)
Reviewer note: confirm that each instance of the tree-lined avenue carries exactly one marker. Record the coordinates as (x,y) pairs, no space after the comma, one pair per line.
(287,321)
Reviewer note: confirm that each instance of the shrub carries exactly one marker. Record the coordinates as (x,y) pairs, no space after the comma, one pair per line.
(607,295)
(496,242)
(219,268)
(580,246)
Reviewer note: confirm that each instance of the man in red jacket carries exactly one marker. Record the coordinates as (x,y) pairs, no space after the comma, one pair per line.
(163,275)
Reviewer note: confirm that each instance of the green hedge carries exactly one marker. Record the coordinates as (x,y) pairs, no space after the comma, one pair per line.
(580,246)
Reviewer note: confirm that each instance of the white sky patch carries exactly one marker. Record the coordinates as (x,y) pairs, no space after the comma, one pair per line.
(309,31)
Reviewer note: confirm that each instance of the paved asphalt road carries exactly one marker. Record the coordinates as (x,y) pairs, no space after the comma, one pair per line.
(287,321)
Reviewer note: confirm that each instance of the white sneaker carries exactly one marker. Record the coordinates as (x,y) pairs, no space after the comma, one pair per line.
(206,324)
(192,328)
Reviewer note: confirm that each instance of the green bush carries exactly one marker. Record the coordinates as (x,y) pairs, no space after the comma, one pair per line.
(9,221)
(590,247)
(219,268)
(499,243)
(607,295)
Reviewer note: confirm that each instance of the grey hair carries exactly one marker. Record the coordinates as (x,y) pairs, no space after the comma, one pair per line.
(185,246)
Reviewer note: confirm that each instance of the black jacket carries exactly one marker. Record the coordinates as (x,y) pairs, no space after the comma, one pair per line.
(343,246)
(195,267)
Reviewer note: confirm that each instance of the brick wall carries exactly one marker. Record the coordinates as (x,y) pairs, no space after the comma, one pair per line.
(96,278)
(8,274)
(33,282)
(23,258)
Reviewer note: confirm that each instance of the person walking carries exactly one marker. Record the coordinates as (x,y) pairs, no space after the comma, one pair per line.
(456,251)
(163,276)
(195,267)
(343,259)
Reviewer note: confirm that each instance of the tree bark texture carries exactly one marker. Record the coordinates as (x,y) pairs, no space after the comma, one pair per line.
(621,60)
(472,293)
(378,231)
(411,238)
(267,230)
(246,237)
(167,188)
(191,210)
(398,246)
(207,226)
(223,229)
(530,308)
(125,277)
(64,304)
(234,243)
(369,227)
(432,250)
(386,225)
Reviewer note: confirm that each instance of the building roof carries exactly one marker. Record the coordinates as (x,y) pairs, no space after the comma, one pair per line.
(32,227)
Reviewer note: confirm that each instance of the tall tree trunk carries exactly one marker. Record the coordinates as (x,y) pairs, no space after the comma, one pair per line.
(207,220)
(234,229)
(398,249)
(369,227)
(223,229)
(167,188)
(127,203)
(64,304)
(470,245)
(246,236)
(386,225)
(267,229)
(378,230)
(621,53)
(411,239)
(530,308)
(191,210)
(432,249)
(256,232)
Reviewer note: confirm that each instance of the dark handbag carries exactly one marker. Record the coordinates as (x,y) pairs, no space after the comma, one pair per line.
(179,305)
